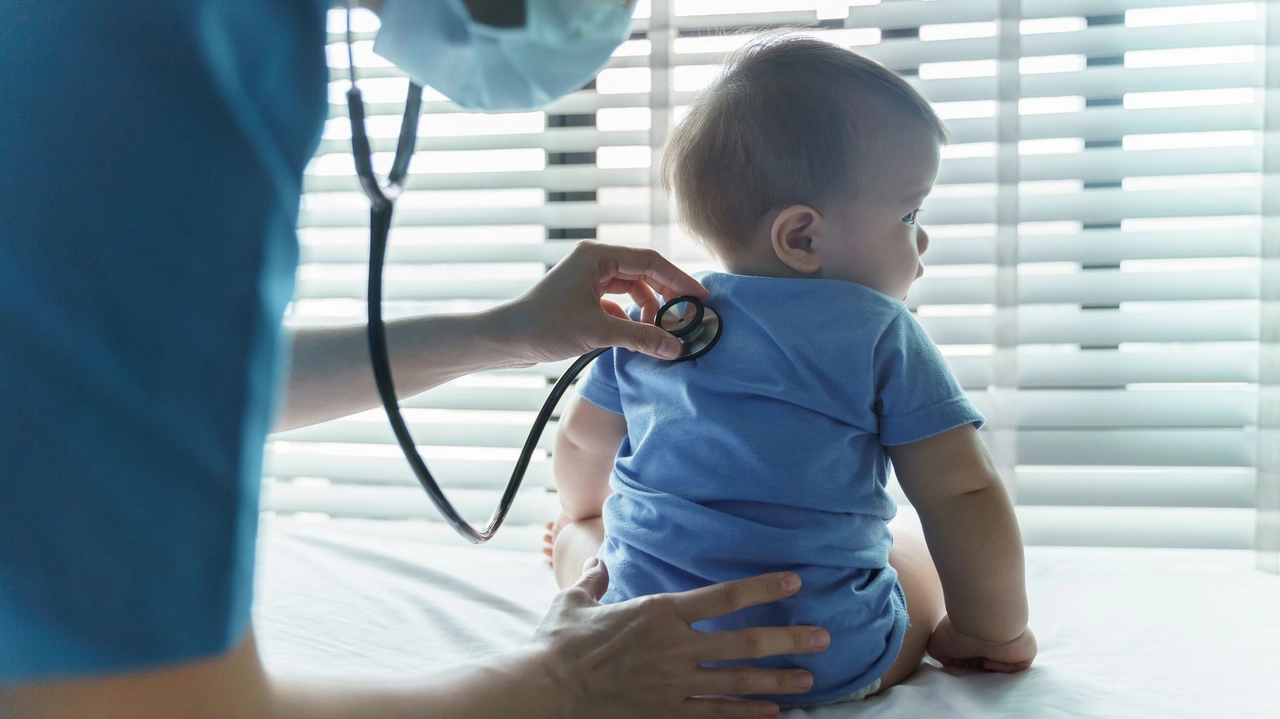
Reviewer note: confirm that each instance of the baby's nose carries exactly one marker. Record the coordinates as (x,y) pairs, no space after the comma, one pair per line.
(922,241)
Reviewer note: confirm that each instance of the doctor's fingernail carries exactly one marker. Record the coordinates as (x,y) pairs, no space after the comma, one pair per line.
(820,639)
(804,680)
(591,563)
(790,583)
(769,712)
(670,348)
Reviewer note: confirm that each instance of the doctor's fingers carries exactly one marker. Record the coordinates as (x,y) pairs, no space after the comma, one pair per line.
(639,337)
(760,642)
(613,309)
(738,681)
(727,597)
(631,263)
(640,293)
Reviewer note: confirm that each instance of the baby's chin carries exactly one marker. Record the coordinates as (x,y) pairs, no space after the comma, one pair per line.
(919,274)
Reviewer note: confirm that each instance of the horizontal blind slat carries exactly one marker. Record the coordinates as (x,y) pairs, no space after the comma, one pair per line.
(1101,124)
(1103,247)
(441,433)
(402,502)
(1146,447)
(1101,327)
(1095,287)
(513,537)
(400,253)
(562,178)
(1207,528)
(551,140)
(564,214)
(1114,487)
(910,13)
(1109,123)
(1114,368)
(393,289)
(1096,247)
(1104,41)
(393,470)
(1102,409)
(1108,165)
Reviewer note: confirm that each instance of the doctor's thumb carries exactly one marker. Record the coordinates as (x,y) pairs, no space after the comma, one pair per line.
(644,338)
(595,578)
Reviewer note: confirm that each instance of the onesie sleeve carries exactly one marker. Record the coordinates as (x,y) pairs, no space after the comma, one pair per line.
(916,396)
(599,385)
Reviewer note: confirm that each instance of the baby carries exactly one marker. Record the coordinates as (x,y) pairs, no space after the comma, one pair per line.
(802,169)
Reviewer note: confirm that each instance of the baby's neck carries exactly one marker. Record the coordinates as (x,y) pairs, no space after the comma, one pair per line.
(769,266)
(758,265)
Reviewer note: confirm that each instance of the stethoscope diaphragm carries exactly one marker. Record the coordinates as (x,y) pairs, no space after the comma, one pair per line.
(695,325)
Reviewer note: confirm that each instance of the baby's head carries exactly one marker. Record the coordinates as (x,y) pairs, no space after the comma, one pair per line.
(806,160)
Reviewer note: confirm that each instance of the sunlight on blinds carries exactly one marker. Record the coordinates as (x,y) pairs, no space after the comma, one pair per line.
(1094,277)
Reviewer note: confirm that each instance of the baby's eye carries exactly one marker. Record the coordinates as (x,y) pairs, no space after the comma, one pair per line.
(911,218)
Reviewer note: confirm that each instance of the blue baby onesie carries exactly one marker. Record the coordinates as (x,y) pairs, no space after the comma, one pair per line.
(768,454)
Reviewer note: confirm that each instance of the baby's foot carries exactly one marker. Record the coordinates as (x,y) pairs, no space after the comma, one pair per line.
(549,543)
(549,537)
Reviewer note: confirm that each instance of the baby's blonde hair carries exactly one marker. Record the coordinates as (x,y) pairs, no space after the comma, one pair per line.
(785,123)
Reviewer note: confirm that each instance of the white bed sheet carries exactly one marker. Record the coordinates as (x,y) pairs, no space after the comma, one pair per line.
(1123,633)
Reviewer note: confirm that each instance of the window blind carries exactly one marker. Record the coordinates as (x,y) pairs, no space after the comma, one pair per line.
(1096,279)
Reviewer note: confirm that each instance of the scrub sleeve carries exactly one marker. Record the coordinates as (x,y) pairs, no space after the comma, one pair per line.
(152,157)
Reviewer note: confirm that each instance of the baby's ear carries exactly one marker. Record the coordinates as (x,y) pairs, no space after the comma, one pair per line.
(795,238)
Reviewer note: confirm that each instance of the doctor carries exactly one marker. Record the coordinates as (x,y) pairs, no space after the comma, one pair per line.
(151,159)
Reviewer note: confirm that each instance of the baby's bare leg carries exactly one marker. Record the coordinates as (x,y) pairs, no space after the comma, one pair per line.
(577,542)
(920,583)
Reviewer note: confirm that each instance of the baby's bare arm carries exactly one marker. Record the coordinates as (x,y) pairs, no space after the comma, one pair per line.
(971,530)
(587,442)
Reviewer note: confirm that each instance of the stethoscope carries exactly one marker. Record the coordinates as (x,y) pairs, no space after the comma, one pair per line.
(696,326)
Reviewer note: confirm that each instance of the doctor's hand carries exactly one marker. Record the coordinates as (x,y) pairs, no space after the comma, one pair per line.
(566,315)
(641,658)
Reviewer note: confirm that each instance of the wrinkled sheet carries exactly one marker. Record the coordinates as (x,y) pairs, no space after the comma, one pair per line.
(1123,633)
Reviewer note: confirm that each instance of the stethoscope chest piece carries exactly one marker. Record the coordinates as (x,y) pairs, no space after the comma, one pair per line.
(695,325)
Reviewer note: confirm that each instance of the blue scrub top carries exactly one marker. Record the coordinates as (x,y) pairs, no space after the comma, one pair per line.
(151,159)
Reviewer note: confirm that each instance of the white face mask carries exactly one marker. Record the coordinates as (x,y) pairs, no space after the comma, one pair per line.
(561,46)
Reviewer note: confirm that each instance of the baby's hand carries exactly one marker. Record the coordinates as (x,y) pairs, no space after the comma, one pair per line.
(953,648)
(549,537)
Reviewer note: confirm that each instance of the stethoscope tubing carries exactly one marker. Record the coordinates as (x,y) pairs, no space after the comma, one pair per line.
(382,198)
(381,362)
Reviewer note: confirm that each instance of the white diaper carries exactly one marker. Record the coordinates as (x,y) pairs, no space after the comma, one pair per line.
(857,696)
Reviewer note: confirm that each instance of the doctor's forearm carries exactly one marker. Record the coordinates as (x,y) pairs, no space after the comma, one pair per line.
(521,683)
(330,374)
(515,684)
